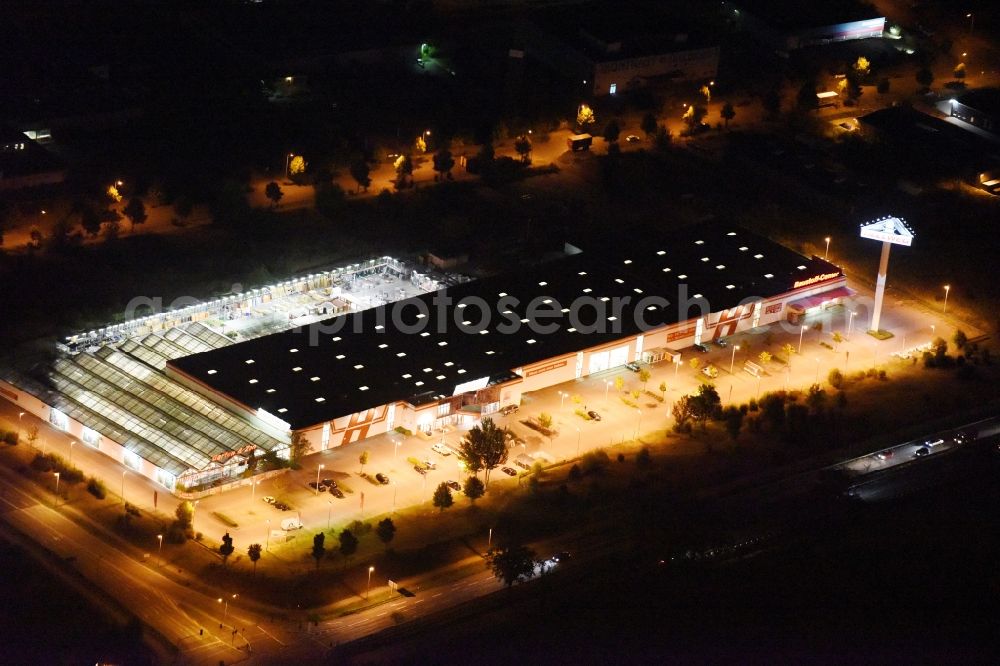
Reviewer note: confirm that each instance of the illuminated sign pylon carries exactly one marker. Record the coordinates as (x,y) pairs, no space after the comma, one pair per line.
(890,230)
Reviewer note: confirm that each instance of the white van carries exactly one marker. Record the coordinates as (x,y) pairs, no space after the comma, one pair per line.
(289,524)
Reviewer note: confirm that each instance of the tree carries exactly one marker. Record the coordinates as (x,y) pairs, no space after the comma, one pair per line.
(363,459)
(642,459)
(882,87)
(385,531)
(33,437)
(404,169)
(585,117)
(135,211)
(348,545)
(695,363)
(835,378)
(705,404)
(837,337)
(184,513)
(816,398)
(682,411)
(511,564)
(648,125)
(442,496)
(959,71)
(443,162)
(297,167)
(545,420)
(960,340)
(644,375)
(806,97)
(733,419)
(772,103)
(663,389)
(318,549)
(253,552)
(619,382)
(765,358)
(485,447)
(420,144)
(925,77)
(361,174)
(90,220)
(226,547)
(693,117)
(612,130)
(522,145)
(727,113)
(473,488)
(299,447)
(707,92)
(862,67)
(788,349)
(273,192)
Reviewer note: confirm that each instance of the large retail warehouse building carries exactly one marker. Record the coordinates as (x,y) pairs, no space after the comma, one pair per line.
(456,355)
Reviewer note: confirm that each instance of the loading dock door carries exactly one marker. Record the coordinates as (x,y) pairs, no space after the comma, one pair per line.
(599,362)
(619,356)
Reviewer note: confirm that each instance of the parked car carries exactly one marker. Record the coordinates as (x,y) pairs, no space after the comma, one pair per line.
(268,499)
(509,409)
(454,485)
(281,506)
(428,465)
(631,138)
(722,342)
(328,482)
(382,478)
(419,468)
(594,416)
(562,556)
(700,347)
(921,452)
(710,371)
(442,449)
(633,366)
(336,492)
(314,485)
(509,471)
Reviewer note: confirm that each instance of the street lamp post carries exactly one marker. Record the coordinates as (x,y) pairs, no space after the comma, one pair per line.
(124,472)
(972,22)
(489,541)
(56,474)
(638,423)
(72,443)
(607,386)
(253,492)
(850,323)
(329,511)
(318,470)
(19,415)
(826,255)
(394,497)
(817,370)
(732,359)
(802,330)
(947,288)
(577,442)
(159,550)
(369,588)
(288,158)
(562,399)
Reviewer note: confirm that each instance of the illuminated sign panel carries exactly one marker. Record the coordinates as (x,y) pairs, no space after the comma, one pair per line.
(814,279)
(888,230)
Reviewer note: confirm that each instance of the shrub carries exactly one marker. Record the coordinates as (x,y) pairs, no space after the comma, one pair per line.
(224,519)
(404,431)
(582,414)
(96,488)
(594,461)
(574,472)
(359,528)
(882,376)
(642,459)
(621,457)
(836,378)
(8,437)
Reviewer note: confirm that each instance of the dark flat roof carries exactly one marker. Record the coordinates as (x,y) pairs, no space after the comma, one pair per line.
(382,355)
(792,15)
(986,100)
